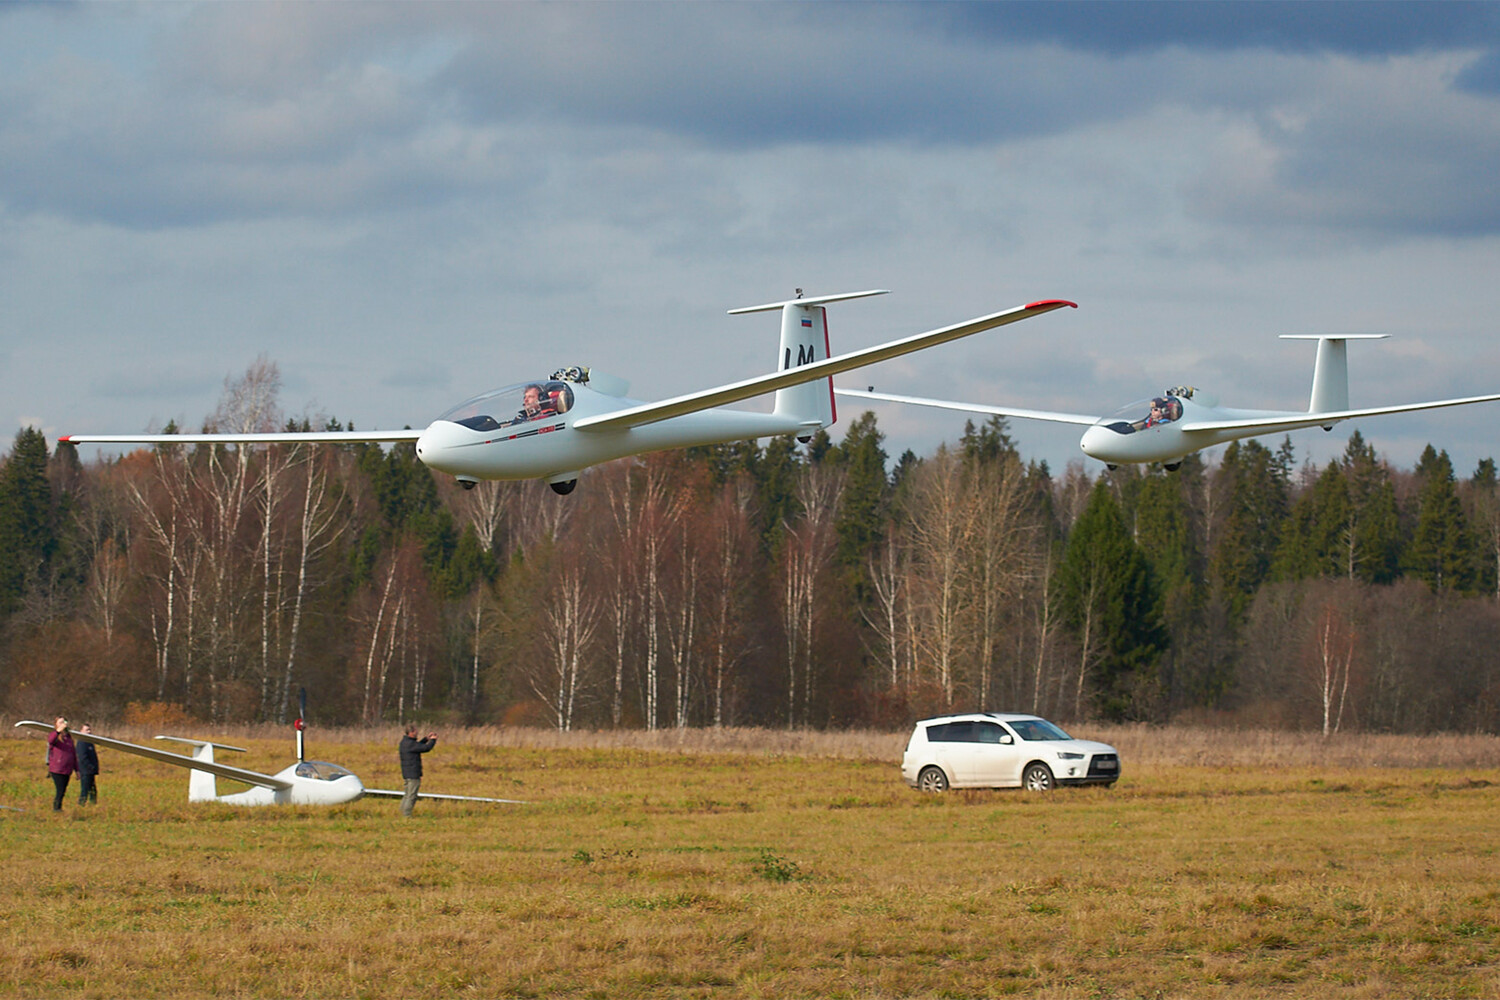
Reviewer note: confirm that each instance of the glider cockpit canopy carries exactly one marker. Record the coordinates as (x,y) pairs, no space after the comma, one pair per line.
(1144,413)
(321,770)
(513,404)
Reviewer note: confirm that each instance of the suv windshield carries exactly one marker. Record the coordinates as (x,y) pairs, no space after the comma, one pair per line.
(1037,729)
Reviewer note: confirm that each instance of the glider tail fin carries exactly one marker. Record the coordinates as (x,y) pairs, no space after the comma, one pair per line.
(1330,385)
(202,786)
(804,340)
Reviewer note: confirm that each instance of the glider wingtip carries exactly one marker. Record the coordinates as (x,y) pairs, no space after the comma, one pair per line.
(1052,304)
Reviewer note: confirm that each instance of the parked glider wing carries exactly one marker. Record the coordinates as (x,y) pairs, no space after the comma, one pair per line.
(166,757)
(649,413)
(386,793)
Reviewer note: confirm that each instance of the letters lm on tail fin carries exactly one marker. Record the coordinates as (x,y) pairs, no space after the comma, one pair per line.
(804,340)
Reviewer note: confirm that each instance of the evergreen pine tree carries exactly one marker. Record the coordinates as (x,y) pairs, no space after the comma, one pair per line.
(776,477)
(1104,586)
(27,526)
(860,522)
(1256,483)
(1441,551)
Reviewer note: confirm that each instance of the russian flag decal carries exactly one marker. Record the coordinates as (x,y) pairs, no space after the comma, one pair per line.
(806,321)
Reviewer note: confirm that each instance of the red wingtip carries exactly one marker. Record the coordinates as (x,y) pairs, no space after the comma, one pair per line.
(65,439)
(1052,304)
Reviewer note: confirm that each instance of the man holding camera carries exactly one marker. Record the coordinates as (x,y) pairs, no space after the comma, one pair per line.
(411,750)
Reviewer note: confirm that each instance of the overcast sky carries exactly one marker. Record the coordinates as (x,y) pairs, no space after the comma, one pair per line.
(404,205)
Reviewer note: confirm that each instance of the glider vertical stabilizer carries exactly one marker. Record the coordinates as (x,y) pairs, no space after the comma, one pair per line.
(804,341)
(202,786)
(1330,387)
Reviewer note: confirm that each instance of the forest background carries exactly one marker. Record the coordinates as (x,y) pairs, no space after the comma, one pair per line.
(783,585)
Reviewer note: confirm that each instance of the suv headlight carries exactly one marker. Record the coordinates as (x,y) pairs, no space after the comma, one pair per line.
(1069,755)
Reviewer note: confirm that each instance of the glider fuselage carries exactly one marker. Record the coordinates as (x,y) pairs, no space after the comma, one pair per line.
(1137,433)
(511,444)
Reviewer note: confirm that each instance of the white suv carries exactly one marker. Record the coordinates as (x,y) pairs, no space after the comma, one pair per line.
(999,750)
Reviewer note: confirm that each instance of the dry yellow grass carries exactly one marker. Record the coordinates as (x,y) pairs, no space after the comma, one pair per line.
(1138,744)
(744,866)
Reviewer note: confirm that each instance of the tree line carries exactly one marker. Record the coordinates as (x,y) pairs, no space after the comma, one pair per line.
(775,584)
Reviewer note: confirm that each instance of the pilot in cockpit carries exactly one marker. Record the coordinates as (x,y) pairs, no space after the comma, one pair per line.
(1156,416)
(1164,410)
(533,406)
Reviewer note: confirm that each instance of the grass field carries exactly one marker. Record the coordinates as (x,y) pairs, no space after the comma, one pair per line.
(768,865)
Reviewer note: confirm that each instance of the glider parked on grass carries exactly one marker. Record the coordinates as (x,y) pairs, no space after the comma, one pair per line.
(555,427)
(304,783)
(1183,420)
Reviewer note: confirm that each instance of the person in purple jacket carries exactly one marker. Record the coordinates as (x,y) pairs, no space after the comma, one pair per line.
(62,760)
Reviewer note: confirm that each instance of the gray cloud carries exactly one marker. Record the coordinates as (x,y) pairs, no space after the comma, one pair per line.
(1351,27)
(403,204)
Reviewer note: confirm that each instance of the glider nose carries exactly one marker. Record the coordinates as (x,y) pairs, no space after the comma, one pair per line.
(439,444)
(1095,441)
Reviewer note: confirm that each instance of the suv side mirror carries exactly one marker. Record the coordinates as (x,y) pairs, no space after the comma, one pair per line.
(1006,738)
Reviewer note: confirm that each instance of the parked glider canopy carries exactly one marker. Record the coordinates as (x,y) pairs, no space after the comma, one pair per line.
(301,783)
(1182,420)
(552,428)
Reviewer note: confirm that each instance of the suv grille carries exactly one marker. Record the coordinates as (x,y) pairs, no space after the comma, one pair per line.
(1104,765)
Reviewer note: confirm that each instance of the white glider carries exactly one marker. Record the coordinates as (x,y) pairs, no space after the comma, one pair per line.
(1183,420)
(552,428)
(303,783)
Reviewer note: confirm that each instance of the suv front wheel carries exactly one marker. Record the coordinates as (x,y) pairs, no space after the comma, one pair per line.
(932,779)
(1038,778)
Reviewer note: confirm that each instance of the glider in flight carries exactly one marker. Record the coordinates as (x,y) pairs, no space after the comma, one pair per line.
(1182,420)
(553,428)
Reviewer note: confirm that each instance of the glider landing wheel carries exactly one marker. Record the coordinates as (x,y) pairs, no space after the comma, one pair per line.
(563,489)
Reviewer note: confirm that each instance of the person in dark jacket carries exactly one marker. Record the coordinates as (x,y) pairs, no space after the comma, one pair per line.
(62,760)
(88,767)
(411,750)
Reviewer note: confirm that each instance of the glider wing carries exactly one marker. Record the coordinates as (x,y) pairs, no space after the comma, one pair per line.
(999,411)
(386,793)
(278,437)
(649,413)
(1292,421)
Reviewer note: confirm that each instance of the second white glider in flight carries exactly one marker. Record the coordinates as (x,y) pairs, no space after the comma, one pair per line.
(1182,420)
